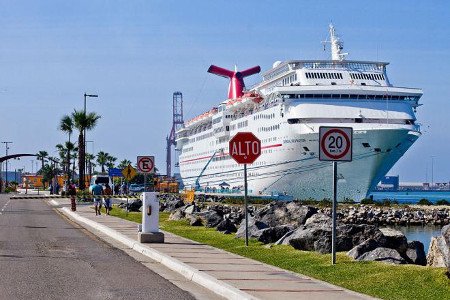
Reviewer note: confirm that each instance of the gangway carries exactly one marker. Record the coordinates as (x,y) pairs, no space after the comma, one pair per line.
(197,181)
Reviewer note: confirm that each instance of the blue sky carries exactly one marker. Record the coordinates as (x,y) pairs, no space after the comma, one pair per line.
(135,54)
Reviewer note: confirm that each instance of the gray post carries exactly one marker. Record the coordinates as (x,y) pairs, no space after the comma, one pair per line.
(245,205)
(333,230)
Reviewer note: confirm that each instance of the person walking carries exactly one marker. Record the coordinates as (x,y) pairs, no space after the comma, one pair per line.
(107,192)
(97,192)
(72,191)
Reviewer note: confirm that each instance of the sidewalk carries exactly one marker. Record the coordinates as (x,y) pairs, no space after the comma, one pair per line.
(226,274)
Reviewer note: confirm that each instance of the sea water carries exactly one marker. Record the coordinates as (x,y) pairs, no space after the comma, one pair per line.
(410,197)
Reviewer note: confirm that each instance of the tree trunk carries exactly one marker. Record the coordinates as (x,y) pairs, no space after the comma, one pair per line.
(81,161)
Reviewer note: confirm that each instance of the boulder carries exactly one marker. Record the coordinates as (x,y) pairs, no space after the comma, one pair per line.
(135,205)
(366,246)
(310,239)
(178,214)
(319,220)
(173,204)
(439,251)
(394,239)
(254,228)
(283,238)
(383,254)
(226,226)
(350,235)
(211,218)
(195,220)
(282,213)
(415,253)
(190,209)
(273,234)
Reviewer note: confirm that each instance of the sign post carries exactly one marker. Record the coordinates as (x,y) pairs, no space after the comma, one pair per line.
(245,148)
(146,165)
(335,144)
(129,172)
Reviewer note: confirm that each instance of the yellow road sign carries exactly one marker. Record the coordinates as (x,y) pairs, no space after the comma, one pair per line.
(129,172)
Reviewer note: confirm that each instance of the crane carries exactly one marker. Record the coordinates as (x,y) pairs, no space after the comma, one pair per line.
(197,181)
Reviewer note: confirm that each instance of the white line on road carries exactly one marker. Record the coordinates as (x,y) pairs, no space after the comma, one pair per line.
(4,206)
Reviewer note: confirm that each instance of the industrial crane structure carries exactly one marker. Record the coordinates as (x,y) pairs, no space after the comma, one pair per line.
(177,123)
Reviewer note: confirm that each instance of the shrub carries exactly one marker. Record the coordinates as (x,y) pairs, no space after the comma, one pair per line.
(442,202)
(367,201)
(424,201)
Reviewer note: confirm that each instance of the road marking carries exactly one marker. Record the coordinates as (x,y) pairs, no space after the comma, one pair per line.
(4,206)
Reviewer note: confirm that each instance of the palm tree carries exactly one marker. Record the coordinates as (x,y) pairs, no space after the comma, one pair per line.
(41,155)
(102,159)
(110,161)
(83,121)
(66,125)
(124,163)
(65,152)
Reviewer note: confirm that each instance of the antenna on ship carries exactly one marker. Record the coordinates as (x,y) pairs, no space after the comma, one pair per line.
(337,45)
(236,87)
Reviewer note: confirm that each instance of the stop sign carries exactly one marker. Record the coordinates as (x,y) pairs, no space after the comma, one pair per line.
(245,147)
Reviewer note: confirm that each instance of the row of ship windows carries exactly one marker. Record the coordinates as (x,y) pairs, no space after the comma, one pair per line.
(269,128)
(241,124)
(367,76)
(290,79)
(350,96)
(317,75)
(264,116)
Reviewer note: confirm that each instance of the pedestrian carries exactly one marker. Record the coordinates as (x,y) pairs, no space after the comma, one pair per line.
(116,189)
(72,192)
(107,191)
(97,192)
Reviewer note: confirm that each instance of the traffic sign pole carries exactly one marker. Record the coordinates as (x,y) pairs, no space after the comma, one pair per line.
(335,144)
(333,232)
(246,204)
(245,148)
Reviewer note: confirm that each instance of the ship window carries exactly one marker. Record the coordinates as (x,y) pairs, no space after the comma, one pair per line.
(306,148)
(366,145)
(377,149)
(358,120)
(333,83)
(363,83)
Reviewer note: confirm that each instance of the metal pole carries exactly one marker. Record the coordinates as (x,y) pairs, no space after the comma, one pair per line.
(333,231)
(246,205)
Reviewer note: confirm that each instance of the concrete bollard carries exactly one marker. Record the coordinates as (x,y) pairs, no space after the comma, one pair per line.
(150,219)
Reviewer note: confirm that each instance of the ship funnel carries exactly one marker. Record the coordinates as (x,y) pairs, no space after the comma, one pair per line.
(237,85)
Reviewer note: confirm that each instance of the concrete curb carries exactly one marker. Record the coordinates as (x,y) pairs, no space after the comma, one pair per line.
(219,287)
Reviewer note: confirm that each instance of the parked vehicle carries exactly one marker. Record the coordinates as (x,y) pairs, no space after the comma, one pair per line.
(136,188)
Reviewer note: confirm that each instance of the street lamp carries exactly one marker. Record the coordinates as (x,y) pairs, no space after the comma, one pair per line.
(6,174)
(84,133)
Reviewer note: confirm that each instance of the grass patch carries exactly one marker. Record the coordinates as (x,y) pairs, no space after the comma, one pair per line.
(372,278)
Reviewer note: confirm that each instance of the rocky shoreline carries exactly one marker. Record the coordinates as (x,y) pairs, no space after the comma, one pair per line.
(308,228)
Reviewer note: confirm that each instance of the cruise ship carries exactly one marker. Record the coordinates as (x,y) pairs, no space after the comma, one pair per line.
(285,111)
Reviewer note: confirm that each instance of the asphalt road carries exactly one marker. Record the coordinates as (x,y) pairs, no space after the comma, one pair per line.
(45,256)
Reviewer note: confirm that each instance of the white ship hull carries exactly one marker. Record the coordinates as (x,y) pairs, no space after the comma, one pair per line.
(294,99)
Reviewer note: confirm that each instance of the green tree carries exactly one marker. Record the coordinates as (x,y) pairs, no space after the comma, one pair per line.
(124,163)
(102,159)
(111,161)
(66,125)
(83,121)
(41,155)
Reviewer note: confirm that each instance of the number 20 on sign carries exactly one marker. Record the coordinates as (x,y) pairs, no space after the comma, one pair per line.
(335,143)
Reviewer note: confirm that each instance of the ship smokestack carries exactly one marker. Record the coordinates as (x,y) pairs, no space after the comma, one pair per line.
(237,85)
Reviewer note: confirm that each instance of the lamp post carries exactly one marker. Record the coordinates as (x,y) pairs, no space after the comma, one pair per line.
(6,165)
(84,135)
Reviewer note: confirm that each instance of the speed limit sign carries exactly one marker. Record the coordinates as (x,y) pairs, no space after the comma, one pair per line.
(335,143)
